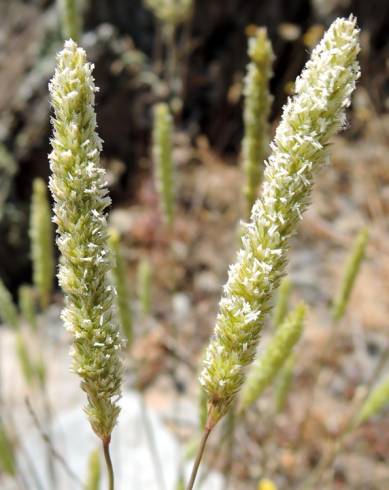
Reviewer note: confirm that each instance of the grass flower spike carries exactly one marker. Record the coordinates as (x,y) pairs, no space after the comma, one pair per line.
(8,310)
(27,305)
(7,452)
(122,298)
(42,249)
(144,285)
(94,472)
(71,19)
(162,155)
(24,359)
(80,192)
(282,303)
(257,105)
(310,118)
(268,364)
(350,274)
(284,383)
(375,402)
(170,12)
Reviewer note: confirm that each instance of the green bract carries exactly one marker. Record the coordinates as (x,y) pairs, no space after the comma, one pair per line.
(309,120)
(80,192)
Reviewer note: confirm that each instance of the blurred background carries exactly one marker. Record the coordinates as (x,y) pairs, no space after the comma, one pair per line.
(198,64)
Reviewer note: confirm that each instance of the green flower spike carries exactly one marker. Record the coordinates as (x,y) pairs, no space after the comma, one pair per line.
(171,12)
(79,190)
(281,306)
(375,402)
(8,310)
(122,297)
(310,118)
(257,104)
(163,161)
(71,19)
(352,268)
(42,243)
(268,364)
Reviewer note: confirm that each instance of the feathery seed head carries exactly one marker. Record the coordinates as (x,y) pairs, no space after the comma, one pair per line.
(309,120)
(79,189)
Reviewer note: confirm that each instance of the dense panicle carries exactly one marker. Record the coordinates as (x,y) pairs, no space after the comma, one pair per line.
(80,191)
(310,118)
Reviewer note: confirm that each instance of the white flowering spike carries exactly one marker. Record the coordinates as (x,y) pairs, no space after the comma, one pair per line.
(309,120)
(257,103)
(79,190)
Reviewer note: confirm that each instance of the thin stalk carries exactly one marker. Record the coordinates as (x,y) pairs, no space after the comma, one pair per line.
(199,456)
(108,462)
(152,444)
(47,440)
(230,440)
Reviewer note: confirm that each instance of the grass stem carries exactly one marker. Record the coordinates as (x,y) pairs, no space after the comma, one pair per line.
(199,456)
(108,462)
